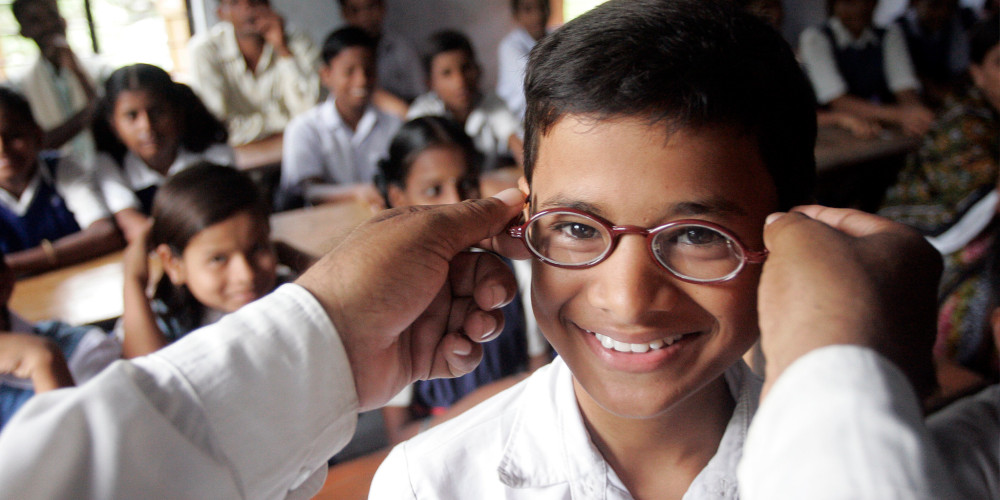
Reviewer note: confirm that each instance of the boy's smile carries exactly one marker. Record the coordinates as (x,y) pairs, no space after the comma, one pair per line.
(638,340)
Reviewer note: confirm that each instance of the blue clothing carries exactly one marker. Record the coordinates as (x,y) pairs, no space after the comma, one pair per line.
(47,217)
(862,69)
(67,337)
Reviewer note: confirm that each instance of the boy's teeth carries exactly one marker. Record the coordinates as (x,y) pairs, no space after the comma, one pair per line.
(610,343)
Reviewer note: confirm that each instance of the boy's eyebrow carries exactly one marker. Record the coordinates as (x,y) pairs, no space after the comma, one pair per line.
(709,206)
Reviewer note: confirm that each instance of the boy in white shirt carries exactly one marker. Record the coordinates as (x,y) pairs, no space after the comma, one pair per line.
(512,54)
(331,151)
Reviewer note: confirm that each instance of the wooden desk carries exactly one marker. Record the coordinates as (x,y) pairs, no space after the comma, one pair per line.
(853,172)
(837,148)
(91,292)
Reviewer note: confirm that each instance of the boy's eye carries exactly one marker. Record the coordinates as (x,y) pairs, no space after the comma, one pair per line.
(695,235)
(432,192)
(575,230)
(218,259)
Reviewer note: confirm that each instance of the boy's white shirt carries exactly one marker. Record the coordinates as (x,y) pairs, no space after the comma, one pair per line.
(75,185)
(531,442)
(118,184)
(512,58)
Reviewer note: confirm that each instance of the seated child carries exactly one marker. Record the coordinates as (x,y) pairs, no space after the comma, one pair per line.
(51,213)
(331,151)
(149,127)
(453,77)
(44,356)
(431,161)
(863,70)
(649,182)
(531,17)
(210,230)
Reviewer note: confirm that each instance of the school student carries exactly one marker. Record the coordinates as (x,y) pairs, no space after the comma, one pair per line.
(211,232)
(147,128)
(253,72)
(431,162)
(453,77)
(937,38)
(51,212)
(331,151)
(858,68)
(44,356)
(531,17)
(398,63)
(61,88)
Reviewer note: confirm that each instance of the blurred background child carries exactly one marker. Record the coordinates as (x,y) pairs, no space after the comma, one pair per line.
(937,36)
(51,213)
(532,17)
(432,161)
(453,77)
(35,358)
(210,230)
(330,151)
(147,128)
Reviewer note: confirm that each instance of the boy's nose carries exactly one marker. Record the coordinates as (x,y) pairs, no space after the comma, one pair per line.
(450,194)
(241,270)
(629,284)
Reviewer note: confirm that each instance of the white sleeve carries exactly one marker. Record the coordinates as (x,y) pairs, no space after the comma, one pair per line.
(78,188)
(896,62)
(404,398)
(94,352)
(967,434)
(391,481)
(302,155)
(250,407)
(841,422)
(116,190)
(820,65)
(511,63)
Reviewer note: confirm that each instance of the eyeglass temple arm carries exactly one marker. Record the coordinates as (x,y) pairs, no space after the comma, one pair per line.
(757,257)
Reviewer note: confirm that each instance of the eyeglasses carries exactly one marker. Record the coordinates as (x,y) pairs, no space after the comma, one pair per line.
(692,250)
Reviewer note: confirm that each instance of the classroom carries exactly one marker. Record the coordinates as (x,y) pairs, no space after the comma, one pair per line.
(166,164)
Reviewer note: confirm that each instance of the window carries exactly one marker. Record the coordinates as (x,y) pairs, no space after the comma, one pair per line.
(123,32)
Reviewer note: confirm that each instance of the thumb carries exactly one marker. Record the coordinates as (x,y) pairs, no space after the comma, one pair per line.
(462,225)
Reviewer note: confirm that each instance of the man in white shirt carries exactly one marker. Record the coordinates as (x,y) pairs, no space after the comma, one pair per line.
(251,72)
(252,406)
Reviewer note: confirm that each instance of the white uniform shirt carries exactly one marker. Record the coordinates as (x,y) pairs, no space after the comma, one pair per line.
(119,184)
(75,185)
(259,103)
(399,68)
(490,124)
(530,442)
(318,144)
(820,63)
(512,58)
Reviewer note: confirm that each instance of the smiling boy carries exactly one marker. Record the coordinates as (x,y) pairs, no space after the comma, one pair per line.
(685,123)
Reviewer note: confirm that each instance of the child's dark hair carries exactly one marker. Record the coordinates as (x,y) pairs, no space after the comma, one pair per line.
(682,64)
(445,41)
(515,4)
(413,138)
(984,36)
(189,202)
(345,38)
(200,128)
(14,105)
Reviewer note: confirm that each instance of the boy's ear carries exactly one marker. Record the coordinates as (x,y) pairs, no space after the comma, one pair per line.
(522,184)
(325,72)
(173,265)
(397,198)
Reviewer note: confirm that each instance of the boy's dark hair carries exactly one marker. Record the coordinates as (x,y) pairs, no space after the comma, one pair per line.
(681,64)
(445,41)
(14,105)
(985,35)
(200,128)
(187,203)
(345,38)
(413,138)
(515,4)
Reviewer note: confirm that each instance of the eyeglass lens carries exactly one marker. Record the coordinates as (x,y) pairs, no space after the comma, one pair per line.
(689,250)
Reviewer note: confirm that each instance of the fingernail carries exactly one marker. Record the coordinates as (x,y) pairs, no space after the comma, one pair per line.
(462,349)
(773,217)
(499,295)
(512,197)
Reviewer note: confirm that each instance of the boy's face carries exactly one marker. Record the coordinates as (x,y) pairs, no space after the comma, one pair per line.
(455,78)
(41,22)
(364,14)
(532,15)
(632,173)
(350,77)
(20,143)
(438,175)
(856,15)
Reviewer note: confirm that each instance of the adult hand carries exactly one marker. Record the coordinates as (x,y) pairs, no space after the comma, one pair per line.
(838,276)
(36,358)
(406,298)
(915,119)
(271,27)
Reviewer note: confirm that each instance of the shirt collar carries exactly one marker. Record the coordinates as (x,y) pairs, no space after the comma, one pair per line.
(549,444)
(843,37)
(20,205)
(333,121)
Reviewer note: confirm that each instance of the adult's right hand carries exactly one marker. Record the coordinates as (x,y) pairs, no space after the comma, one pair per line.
(838,276)
(408,300)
